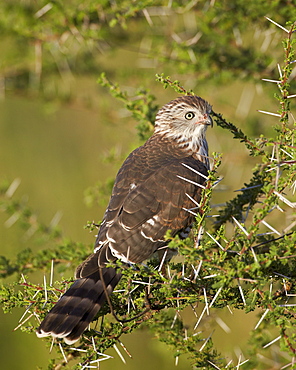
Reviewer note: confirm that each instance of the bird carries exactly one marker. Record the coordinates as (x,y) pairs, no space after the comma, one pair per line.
(154,192)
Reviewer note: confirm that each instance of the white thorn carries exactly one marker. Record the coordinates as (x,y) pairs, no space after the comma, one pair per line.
(261,319)
(229,363)
(287,305)
(23,277)
(270,227)
(149,286)
(288,154)
(275,168)
(51,345)
(241,363)
(216,241)
(23,322)
(273,341)
(106,357)
(206,301)
(162,260)
(200,317)
(205,343)
(280,71)
(199,267)
(241,292)
(229,309)
(215,297)
(176,360)
(283,28)
(94,343)
(174,320)
(139,282)
(78,349)
(51,273)
(269,113)
(189,210)
(191,182)
(193,200)
(119,354)
(215,366)
(195,171)
(285,200)
(45,289)
(63,353)
(30,305)
(254,255)
(195,272)
(199,236)
(270,290)
(268,80)
(240,226)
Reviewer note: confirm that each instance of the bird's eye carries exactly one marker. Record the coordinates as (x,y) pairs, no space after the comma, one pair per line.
(189,115)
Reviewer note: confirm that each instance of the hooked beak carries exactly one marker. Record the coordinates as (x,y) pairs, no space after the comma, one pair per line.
(207,121)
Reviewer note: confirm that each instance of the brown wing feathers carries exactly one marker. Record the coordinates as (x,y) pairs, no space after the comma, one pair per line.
(154,207)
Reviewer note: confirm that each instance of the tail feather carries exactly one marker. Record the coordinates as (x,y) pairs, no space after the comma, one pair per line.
(78,306)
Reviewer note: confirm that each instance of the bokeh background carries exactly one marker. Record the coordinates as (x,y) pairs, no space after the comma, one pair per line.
(61,132)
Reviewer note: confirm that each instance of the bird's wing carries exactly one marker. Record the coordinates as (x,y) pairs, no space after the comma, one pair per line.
(138,218)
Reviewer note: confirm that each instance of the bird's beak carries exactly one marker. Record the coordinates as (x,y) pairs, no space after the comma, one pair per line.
(207,121)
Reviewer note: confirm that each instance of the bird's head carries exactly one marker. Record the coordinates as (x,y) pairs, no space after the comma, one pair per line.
(185,118)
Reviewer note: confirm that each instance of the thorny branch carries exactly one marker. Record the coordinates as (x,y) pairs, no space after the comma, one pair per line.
(217,271)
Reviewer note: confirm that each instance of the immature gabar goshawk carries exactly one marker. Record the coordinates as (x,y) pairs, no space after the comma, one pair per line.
(153,191)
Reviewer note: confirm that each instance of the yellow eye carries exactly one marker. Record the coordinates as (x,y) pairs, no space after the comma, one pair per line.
(189,115)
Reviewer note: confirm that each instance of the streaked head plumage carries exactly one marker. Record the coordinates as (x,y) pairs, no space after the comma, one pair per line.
(184,121)
(187,115)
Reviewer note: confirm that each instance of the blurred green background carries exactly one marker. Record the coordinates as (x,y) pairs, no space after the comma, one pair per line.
(61,133)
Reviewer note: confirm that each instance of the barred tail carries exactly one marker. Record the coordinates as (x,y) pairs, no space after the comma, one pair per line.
(78,306)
